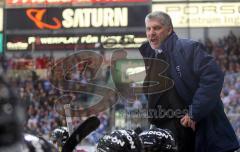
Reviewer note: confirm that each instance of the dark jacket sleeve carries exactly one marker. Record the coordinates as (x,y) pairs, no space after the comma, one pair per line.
(211,78)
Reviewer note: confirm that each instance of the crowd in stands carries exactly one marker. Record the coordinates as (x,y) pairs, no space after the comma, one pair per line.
(226,51)
(38,95)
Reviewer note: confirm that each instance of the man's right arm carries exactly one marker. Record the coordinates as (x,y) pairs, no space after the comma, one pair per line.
(210,84)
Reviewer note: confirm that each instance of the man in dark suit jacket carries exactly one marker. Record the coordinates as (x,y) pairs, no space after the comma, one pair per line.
(190,106)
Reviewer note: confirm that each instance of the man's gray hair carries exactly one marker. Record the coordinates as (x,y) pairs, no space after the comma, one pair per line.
(164,18)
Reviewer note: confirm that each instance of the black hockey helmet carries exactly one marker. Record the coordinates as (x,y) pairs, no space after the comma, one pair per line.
(158,140)
(120,141)
(60,135)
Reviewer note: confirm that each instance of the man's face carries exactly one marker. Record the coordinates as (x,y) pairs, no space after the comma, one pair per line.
(156,32)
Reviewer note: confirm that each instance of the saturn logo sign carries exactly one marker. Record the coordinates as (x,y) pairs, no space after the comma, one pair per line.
(36,15)
(80,18)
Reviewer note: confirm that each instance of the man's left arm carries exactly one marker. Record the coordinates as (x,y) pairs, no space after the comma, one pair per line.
(210,84)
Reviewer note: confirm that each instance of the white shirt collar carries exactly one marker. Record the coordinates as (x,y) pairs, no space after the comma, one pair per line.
(158,51)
